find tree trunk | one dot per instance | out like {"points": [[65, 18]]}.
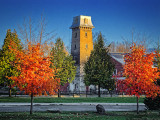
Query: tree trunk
{"points": [[137, 105], [59, 93], [110, 92], [31, 108], [16, 91], [99, 92], [10, 91], [86, 93]]}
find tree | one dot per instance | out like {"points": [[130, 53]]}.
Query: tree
{"points": [[157, 60], [7, 58], [35, 32], [36, 77], [63, 62], [109, 85], [140, 74], [99, 68], [119, 47], [150, 103]]}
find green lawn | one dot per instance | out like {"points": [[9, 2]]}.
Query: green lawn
{"points": [[80, 116], [72, 100]]}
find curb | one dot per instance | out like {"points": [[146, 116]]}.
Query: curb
{"points": [[65, 104]]}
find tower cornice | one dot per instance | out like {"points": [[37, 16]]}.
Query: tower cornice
{"points": [[82, 21]]}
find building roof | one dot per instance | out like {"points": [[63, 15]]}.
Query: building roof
{"points": [[82, 21], [118, 57]]}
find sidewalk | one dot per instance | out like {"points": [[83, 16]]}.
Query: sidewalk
{"points": [[47, 104], [25, 107]]}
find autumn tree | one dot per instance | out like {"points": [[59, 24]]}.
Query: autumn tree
{"points": [[7, 58], [63, 62], [140, 74], [99, 68], [149, 102], [36, 77], [157, 60]]}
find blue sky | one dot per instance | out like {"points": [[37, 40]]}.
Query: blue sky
{"points": [[114, 18]]}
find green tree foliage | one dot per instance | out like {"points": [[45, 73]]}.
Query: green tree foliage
{"points": [[109, 85], [63, 62], [99, 68], [7, 58]]}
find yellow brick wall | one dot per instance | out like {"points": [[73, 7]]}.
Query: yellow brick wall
{"points": [[85, 40]]}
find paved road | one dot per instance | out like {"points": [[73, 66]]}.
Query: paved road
{"points": [[22, 107]]}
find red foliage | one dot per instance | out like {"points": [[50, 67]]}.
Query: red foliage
{"points": [[36, 76], [140, 73]]}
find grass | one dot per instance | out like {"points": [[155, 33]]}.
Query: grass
{"points": [[72, 100], [81, 116]]}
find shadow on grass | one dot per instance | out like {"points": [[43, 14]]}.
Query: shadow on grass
{"points": [[148, 115]]}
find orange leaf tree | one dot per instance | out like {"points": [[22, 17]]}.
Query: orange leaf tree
{"points": [[36, 77], [140, 73]]}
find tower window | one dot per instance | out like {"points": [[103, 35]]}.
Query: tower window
{"points": [[86, 46], [75, 86], [85, 34], [85, 21], [75, 35], [76, 20], [75, 47], [75, 58]]}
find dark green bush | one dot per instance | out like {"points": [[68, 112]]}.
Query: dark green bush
{"points": [[152, 104]]}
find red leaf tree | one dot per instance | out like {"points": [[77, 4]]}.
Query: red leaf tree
{"points": [[36, 77], [140, 74]]}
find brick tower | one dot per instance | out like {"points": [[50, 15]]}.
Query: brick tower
{"points": [[81, 47]]}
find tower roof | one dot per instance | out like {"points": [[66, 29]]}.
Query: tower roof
{"points": [[82, 21]]}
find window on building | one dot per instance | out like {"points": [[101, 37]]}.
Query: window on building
{"points": [[75, 86], [86, 46], [115, 72], [85, 34], [76, 20], [85, 21], [75, 58], [75, 46], [75, 35]]}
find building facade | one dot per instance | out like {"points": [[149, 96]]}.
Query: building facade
{"points": [[81, 47]]}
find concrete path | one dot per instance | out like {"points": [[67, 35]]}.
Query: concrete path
{"points": [[24, 107]]}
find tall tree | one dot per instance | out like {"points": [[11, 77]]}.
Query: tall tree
{"points": [[63, 62], [7, 58], [140, 74], [36, 77], [99, 68]]}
